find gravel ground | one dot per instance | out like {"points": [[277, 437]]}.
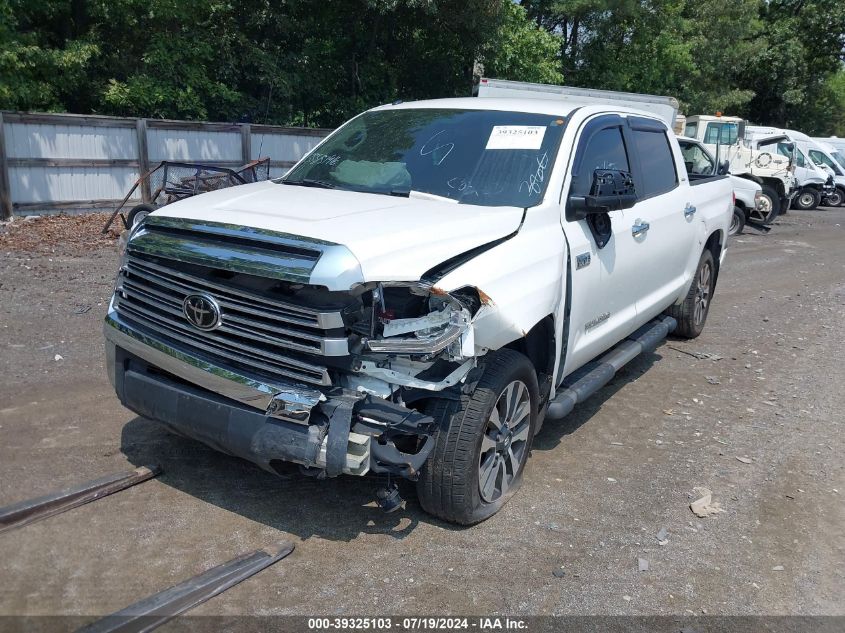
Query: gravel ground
{"points": [[758, 422]]}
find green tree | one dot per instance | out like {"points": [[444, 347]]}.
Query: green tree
{"points": [[313, 62], [44, 61], [522, 50], [801, 51]]}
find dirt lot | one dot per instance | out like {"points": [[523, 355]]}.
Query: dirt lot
{"points": [[599, 487]]}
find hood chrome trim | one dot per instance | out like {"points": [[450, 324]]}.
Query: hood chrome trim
{"points": [[248, 250]]}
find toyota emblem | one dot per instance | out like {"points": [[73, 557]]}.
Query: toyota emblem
{"points": [[202, 311]]}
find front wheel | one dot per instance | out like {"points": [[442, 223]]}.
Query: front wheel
{"points": [[835, 198], [482, 443], [807, 199], [692, 313]]}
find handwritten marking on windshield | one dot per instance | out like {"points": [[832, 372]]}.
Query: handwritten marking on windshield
{"points": [[323, 159], [536, 179], [457, 183], [424, 151]]}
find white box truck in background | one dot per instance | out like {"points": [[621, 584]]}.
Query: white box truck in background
{"points": [[666, 108]]}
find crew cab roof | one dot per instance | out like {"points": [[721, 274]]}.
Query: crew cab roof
{"points": [[537, 106]]}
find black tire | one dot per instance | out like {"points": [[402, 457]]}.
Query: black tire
{"points": [[737, 221], [138, 213], [690, 318], [771, 208], [836, 198], [449, 486], [806, 200]]}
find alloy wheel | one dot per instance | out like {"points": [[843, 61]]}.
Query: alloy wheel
{"points": [[702, 293], [505, 441]]}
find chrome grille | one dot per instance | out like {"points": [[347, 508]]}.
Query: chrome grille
{"points": [[256, 331]]}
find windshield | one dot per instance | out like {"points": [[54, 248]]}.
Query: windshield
{"points": [[721, 133], [839, 158], [482, 157], [819, 158]]}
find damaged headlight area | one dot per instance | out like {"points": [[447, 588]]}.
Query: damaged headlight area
{"points": [[418, 321], [413, 337], [409, 342]]}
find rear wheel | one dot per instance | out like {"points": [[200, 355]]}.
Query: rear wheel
{"points": [[769, 206], [737, 221], [483, 442], [691, 315]]}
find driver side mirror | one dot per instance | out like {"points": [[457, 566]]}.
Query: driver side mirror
{"points": [[611, 190], [740, 131], [724, 168]]}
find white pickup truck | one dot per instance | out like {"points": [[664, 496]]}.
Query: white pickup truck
{"points": [[419, 292]]}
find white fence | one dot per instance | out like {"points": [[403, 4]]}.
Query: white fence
{"points": [[63, 162]]}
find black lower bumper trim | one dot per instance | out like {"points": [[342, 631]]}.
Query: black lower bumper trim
{"points": [[227, 428], [235, 429]]}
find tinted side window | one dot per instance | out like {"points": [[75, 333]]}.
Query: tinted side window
{"points": [[658, 165], [605, 150]]}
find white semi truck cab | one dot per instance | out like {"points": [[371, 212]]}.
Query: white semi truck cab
{"points": [[768, 162], [419, 291]]}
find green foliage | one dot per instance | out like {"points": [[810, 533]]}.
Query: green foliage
{"points": [[34, 72], [312, 62], [769, 60], [522, 51]]}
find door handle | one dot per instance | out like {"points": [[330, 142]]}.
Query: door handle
{"points": [[639, 228], [689, 210]]}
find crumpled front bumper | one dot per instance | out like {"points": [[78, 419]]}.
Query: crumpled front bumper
{"points": [[265, 422]]}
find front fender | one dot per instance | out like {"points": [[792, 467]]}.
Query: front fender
{"points": [[519, 281]]}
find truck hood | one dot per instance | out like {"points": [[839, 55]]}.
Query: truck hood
{"points": [[393, 238]]}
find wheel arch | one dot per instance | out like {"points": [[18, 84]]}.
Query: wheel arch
{"points": [[715, 244], [774, 183], [538, 345]]}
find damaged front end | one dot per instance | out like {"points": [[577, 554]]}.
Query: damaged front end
{"points": [[352, 406], [409, 342]]}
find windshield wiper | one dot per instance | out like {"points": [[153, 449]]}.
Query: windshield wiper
{"points": [[309, 182]]}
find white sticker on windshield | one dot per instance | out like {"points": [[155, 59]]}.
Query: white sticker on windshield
{"points": [[516, 137]]}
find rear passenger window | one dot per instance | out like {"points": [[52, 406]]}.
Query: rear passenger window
{"points": [[605, 150], [658, 165]]}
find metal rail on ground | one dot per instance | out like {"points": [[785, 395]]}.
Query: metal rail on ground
{"points": [[26, 512], [157, 609]]}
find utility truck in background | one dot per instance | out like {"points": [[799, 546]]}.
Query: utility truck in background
{"points": [[767, 161], [816, 182], [420, 290]]}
